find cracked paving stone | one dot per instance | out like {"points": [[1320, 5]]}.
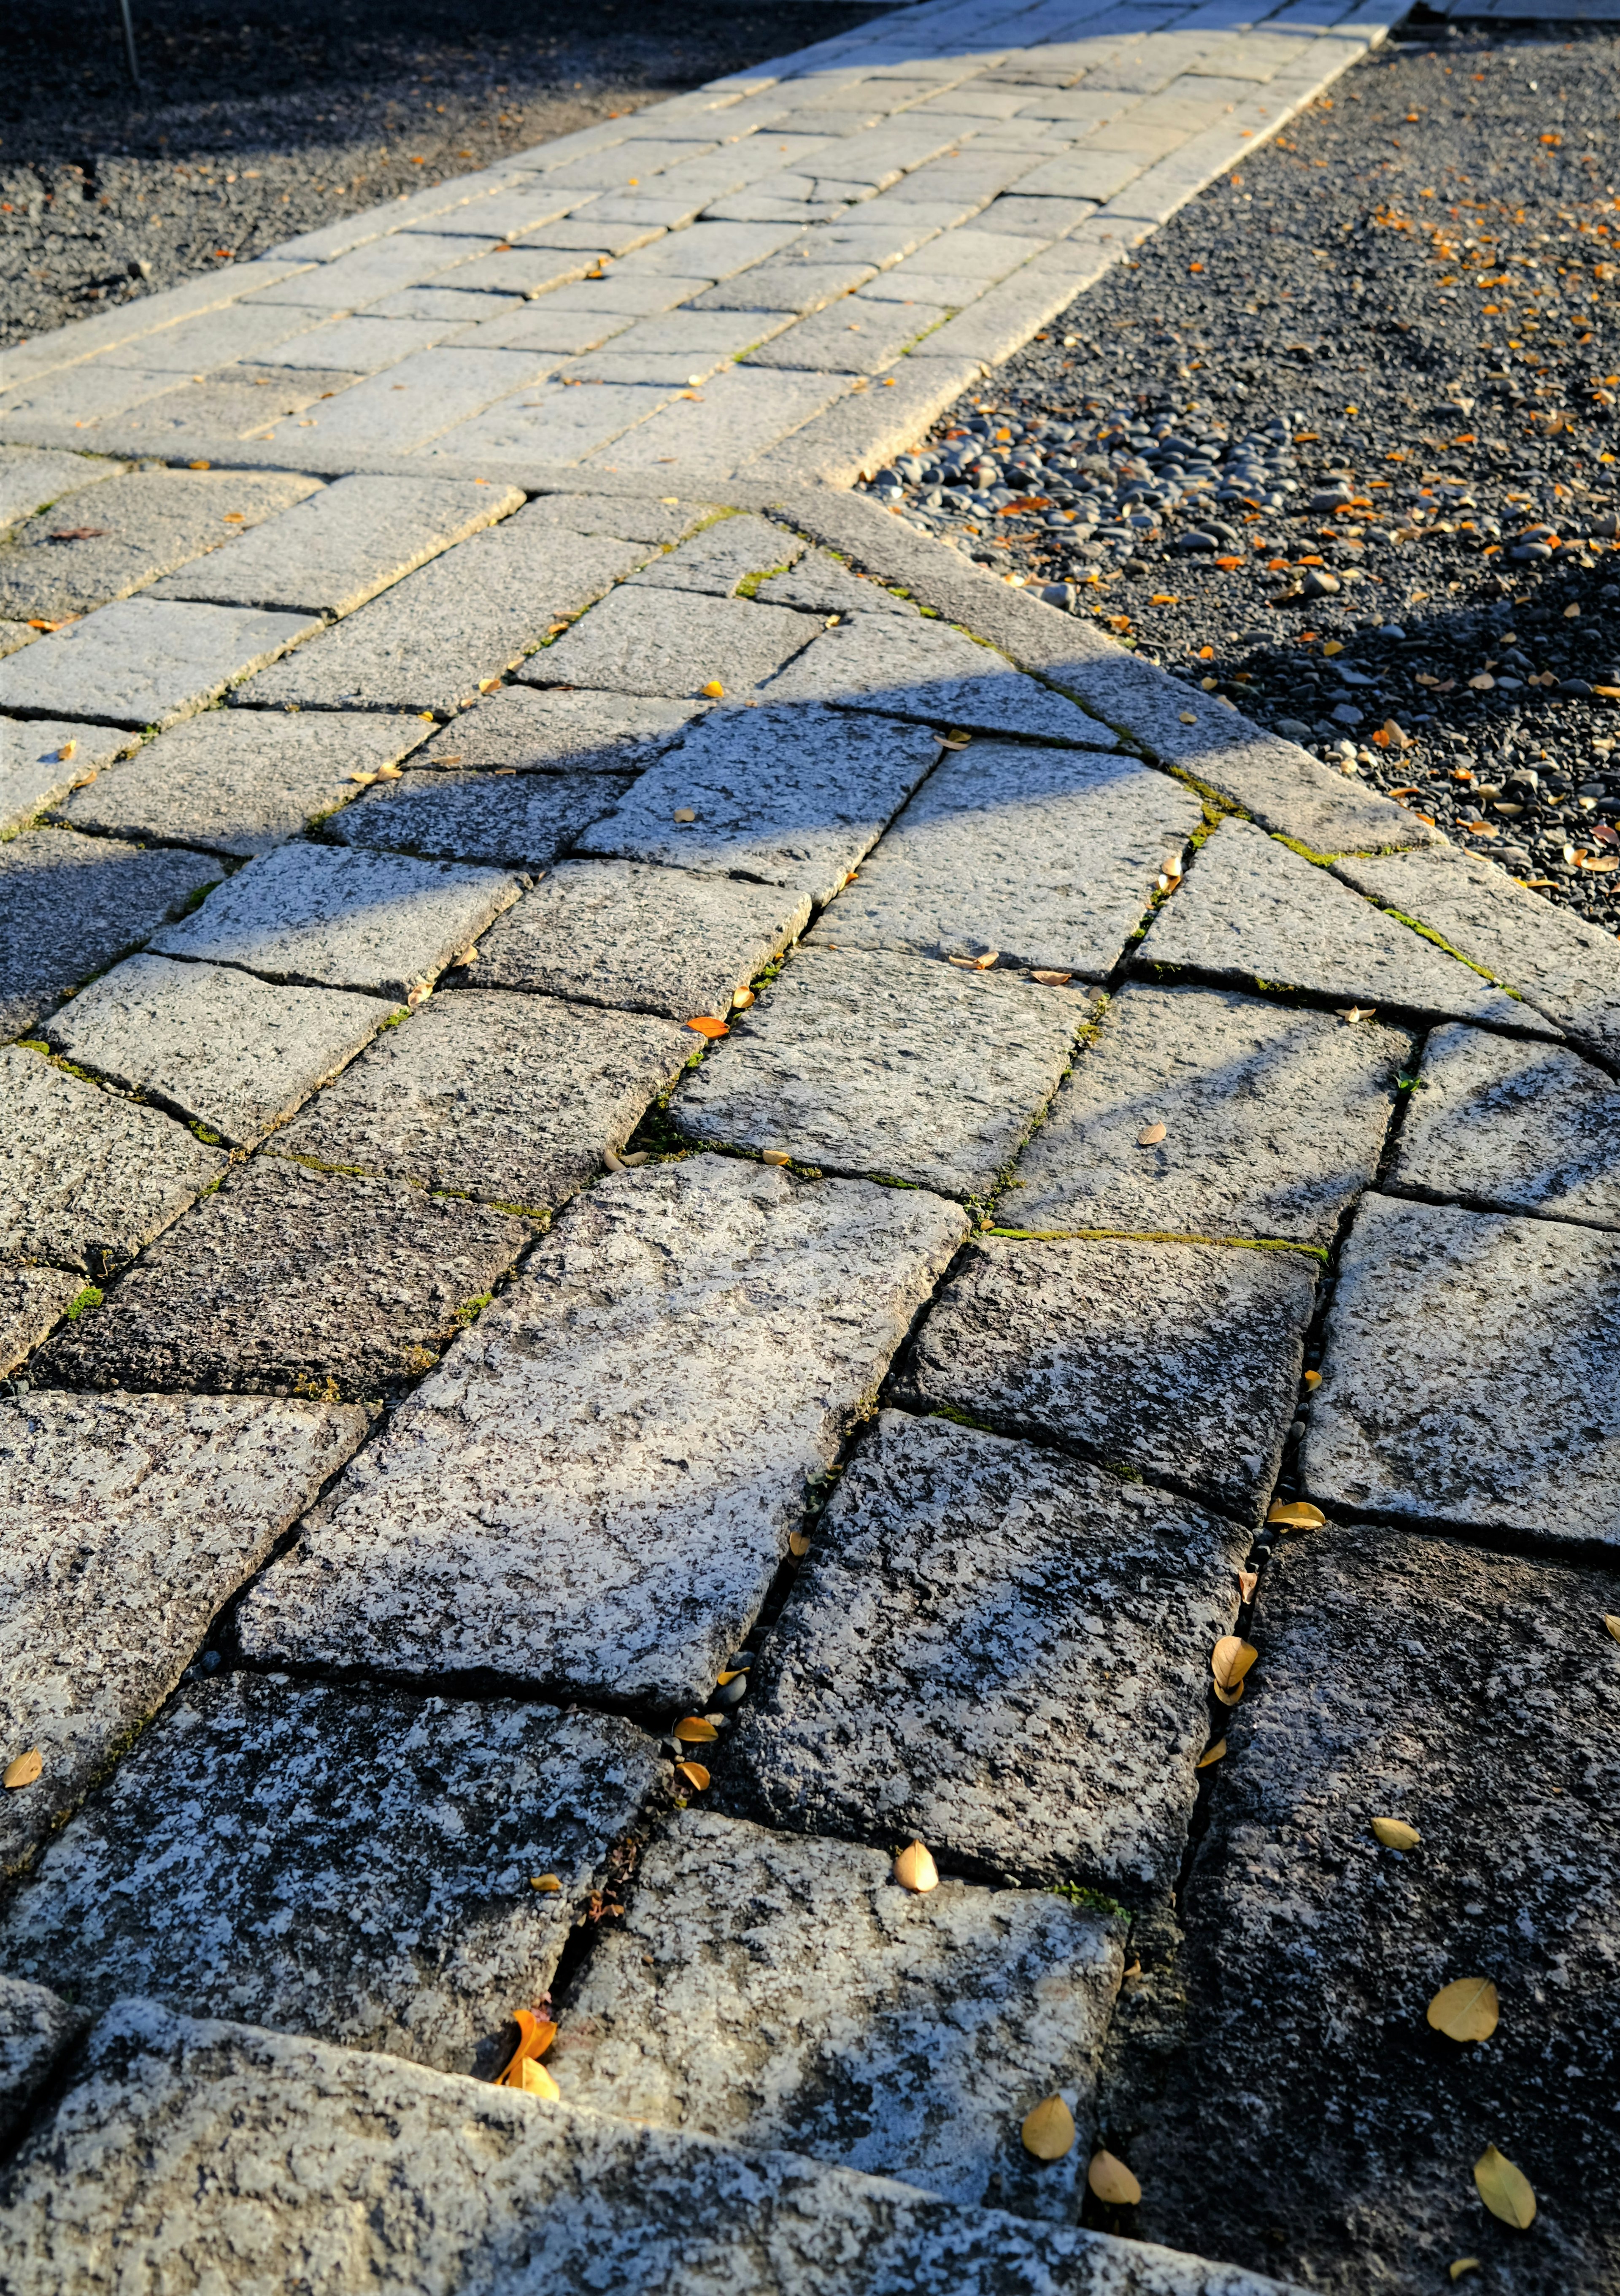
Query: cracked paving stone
{"points": [[145, 662], [495, 1095], [866, 1062], [1048, 856], [820, 585], [520, 821], [398, 2177], [596, 1487], [1477, 1697], [518, 730], [1003, 1652], [86, 1178], [33, 1300], [130, 1519], [1512, 1127], [632, 517], [381, 922], [31, 480], [35, 2029], [1177, 1361], [644, 939], [792, 797], [42, 759], [1250, 910], [332, 1860], [73, 906], [216, 1044], [906, 666], [287, 1281], [1274, 1120], [1466, 1377], [634, 642], [714, 562], [777, 1990]]}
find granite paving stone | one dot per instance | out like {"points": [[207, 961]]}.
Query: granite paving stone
{"points": [[644, 938], [37, 2028], [245, 331], [212, 1043], [397, 411], [467, 307], [1275, 1119], [1176, 1361], [685, 346], [145, 662], [130, 1519], [16, 636], [288, 1281], [1475, 1697], [715, 560], [230, 400], [1506, 1126], [86, 396], [711, 251], [737, 417], [74, 905], [791, 797], [1251, 910], [633, 643], [830, 340], [516, 820], [518, 730], [32, 1301], [320, 918], [340, 548], [407, 2179], [505, 1097], [928, 670], [86, 1178], [820, 585], [774, 1990], [1466, 1378], [242, 782], [634, 518], [1050, 857], [367, 274], [31, 480], [328, 1860], [595, 1489], [41, 759], [863, 1061], [554, 423], [1000, 1651], [360, 345], [800, 287]]}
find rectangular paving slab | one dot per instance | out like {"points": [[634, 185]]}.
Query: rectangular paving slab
{"points": [[32, 1301], [1000, 1651], [1475, 1697], [634, 642], [734, 1320], [789, 797], [820, 585], [517, 821], [330, 1860], [287, 1281], [1512, 1127], [1050, 857], [863, 1061], [145, 661], [326, 919], [714, 562], [212, 1043], [37, 2029], [1176, 1361], [1466, 1373], [517, 730], [926, 669], [508, 1098], [31, 480], [73, 906], [42, 758], [1274, 1120], [772, 1990], [130, 1519]]}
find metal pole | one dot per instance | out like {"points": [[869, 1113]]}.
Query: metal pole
{"points": [[129, 43]]}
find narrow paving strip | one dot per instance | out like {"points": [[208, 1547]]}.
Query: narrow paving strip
{"points": [[803, 1391]]}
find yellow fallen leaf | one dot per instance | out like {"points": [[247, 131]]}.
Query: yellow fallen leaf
{"points": [[1613, 1624], [685, 812], [741, 999], [694, 1731], [1213, 1754], [535, 2081], [65, 752], [1248, 1580], [1048, 2131], [547, 1884], [714, 689], [1229, 1661], [1465, 2010], [694, 1773], [914, 1869], [1189, 718], [1463, 2264], [982, 962], [1395, 1834], [1151, 1135], [774, 1156], [1295, 1514], [1505, 2190], [390, 772], [1112, 2181], [1352, 1013], [729, 1674], [24, 1770], [1334, 646], [798, 1543], [1313, 1378], [535, 2038], [1052, 980]]}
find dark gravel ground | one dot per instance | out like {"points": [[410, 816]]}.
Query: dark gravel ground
{"points": [[1407, 304], [257, 122]]}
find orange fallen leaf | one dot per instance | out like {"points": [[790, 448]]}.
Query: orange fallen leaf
{"points": [[707, 1026], [1211, 1754], [1295, 1515], [1051, 980], [547, 1884], [535, 2038], [535, 2081], [694, 1731], [694, 1773], [714, 689], [1049, 2131]]}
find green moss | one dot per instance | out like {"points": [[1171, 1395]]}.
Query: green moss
{"points": [[209, 1139], [1089, 1901], [88, 1298], [195, 899], [961, 1418], [748, 588], [1154, 1235]]}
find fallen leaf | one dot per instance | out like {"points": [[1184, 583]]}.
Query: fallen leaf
{"points": [[1463, 2264], [364, 780], [1150, 1137], [1334, 646], [24, 1770], [694, 1773], [1189, 718], [694, 1731], [1051, 980], [1352, 1013], [535, 2081], [1228, 565], [774, 1156], [1229, 1661], [1483, 682], [1395, 1834], [1465, 2010], [1211, 1754], [547, 1884], [59, 757], [728, 1674], [798, 1543], [741, 999], [707, 1026], [915, 1870], [714, 689], [1295, 1515], [685, 814], [79, 533], [1313, 1378], [1505, 2190], [1248, 1580], [1049, 2131], [982, 962], [535, 2038], [390, 772], [1112, 2181], [1613, 1624]]}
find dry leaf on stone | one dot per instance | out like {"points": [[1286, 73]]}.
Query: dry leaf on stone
{"points": [[1248, 1580], [694, 1731], [982, 962], [1505, 2190], [915, 1870], [714, 689], [687, 813], [798, 1543], [1613, 1624], [1049, 2131], [1229, 1661], [1052, 980], [1213, 1754], [547, 1884], [535, 2038], [1465, 2010], [694, 1773], [1313, 1378], [1395, 1834], [705, 1027], [1295, 1514], [741, 999], [1463, 2264], [1352, 1013], [1112, 2182], [774, 1156], [24, 1770], [535, 2081], [1151, 1135]]}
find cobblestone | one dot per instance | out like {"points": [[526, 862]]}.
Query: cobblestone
{"points": [[514, 821], [926, 670], [144, 662], [41, 759], [35, 2028], [559, 730], [32, 1301], [632, 643], [1513, 1127], [73, 906]]}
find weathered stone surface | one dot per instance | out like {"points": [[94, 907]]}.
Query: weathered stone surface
{"points": [[30, 480], [73, 905], [243, 402], [635, 518], [791, 797], [715, 560], [818, 585], [349, 542], [129, 1520], [1477, 1697], [36, 2028], [553, 424], [508, 1098], [1000, 1651], [773, 1990], [517, 730], [145, 661], [1178, 1361], [402, 2179], [868, 344], [212, 1043], [1274, 1120], [910, 668], [32, 1301], [519, 820], [1468, 1371], [596, 1488], [651, 940], [322, 919], [1251, 910], [42, 759], [1512, 1127], [85, 1179], [240, 781], [634, 642], [861, 1062], [333, 1861], [1049, 855], [1562, 966], [291, 1282]]}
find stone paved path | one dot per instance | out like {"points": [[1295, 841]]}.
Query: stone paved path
{"points": [[685, 1192]]}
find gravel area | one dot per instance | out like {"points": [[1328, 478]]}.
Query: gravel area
{"points": [[1339, 444], [254, 123]]}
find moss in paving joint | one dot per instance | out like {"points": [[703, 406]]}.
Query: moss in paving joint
{"points": [[1089, 1901], [748, 588], [1222, 809], [1156, 1235], [90, 1297], [961, 1418]]}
